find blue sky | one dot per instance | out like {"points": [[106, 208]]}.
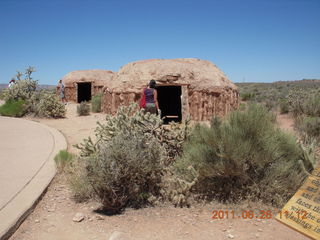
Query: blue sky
{"points": [[249, 40]]}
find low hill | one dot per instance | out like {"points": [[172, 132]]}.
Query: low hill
{"points": [[41, 86], [276, 90]]}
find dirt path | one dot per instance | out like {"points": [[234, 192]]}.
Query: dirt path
{"points": [[52, 218], [285, 122], [74, 127]]}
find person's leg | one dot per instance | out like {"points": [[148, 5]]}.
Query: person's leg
{"points": [[151, 108]]}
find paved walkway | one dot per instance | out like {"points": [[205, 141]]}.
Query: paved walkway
{"points": [[27, 150]]}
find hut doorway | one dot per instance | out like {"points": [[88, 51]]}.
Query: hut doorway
{"points": [[169, 99], [84, 92]]}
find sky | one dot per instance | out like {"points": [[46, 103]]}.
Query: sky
{"points": [[249, 40]]}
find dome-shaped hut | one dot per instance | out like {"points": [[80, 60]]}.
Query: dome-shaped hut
{"points": [[83, 84], [185, 87]]}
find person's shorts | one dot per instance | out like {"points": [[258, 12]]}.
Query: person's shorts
{"points": [[151, 108], [62, 95]]}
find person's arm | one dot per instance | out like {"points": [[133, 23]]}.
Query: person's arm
{"points": [[155, 96], [142, 93]]}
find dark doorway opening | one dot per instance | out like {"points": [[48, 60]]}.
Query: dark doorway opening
{"points": [[84, 92], [169, 98]]}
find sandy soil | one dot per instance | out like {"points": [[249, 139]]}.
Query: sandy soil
{"points": [[74, 127], [52, 219], [285, 122]]}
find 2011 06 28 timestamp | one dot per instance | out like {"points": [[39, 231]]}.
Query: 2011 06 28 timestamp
{"points": [[244, 214], [260, 214]]}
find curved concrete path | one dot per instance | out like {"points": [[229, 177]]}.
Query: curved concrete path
{"points": [[27, 151]]}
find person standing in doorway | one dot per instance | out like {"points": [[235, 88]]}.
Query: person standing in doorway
{"points": [[151, 96], [61, 92]]}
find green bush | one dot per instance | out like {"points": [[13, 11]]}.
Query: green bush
{"points": [[246, 155], [248, 96], [270, 104], [130, 154], [47, 104], [1, 95], [284, 106], [130, 120], [24, 87], [96, 103], [312, 105], [63, 159], [80, 186], [303, 102], [126, 172], [40, 103], [308, 128], [83, 109], [13, 108]]}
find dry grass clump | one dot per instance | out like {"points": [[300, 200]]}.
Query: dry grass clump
{"points": [[83, 109]]}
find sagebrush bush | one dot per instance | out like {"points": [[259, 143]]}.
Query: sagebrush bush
{"points": [[312, 105], [47, 104], [126, 171], [96, 103], [246, 155], [308, 128], [63, 160], [79, 183], [248, 96], [83, 109], [13, 108], [284, 106]]}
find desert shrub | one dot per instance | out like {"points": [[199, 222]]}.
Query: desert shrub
{"points": [[1, 95], [24, 87], [78, 181], [130, 120], [246, 155], [248, 96], [39, 103], [13, 108], [96, 103], [47, 104], [129, 158], [284, 106], [303, 102], [308, 128], [270, 104], [312, 105], [242, 106], [83, 109], [126, 172], [296, 100], [63, 159]]}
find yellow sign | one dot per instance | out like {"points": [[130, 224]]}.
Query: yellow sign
{"points": [[302, 212]]}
